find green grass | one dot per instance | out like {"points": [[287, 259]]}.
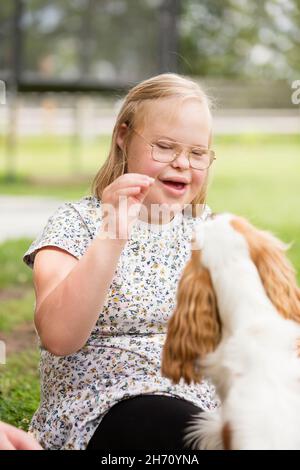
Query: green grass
{"points": [[15, 276], [53, 158], [56, 155], [19, 388], [17, 311], [21, 187], [19, 382], [14, 271], [258, 177]]}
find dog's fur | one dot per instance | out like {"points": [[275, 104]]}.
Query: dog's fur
{"points": [[237, 323]]}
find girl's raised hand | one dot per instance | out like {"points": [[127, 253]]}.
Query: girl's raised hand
{"points": [[123, 199]]}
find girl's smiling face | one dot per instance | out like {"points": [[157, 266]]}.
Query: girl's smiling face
{"points": [[188, 123]]}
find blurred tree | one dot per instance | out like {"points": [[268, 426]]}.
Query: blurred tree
{"points": [[121, 39], [6, 28], [238, 38], [75, 39]]}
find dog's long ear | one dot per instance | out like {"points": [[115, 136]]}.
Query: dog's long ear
{"points": [[194, 328], [276, 272]]}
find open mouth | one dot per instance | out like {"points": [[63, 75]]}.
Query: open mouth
{"points": [[174, 184]]}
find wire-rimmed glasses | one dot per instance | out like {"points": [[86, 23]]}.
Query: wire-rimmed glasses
{"points": [[166, 151]]}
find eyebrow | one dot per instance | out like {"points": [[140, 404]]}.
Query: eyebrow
{"points": [[177, 141]]}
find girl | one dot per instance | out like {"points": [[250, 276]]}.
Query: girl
{"points": [[105, 276]]}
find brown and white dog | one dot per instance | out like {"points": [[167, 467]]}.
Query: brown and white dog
{"points": [[237, 323]]}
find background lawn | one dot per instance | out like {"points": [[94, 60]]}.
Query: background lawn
{"points": [[254, 175]]}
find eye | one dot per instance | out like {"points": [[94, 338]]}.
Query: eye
{"points": [[164, 145], [199, 152]]}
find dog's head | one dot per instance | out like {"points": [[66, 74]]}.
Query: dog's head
{"points": [[195, 328]]}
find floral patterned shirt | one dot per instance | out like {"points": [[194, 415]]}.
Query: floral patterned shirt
{"points": [[122, 356]]}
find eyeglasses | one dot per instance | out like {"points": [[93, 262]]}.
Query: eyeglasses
{"points": [[165, 151]]}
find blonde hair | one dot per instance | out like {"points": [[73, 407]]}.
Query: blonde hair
{"points": [[167, 85]]}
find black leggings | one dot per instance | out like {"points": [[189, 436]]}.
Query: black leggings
{"points": [[144, 422]]}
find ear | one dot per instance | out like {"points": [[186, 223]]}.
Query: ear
{"points": [[194, 329], [121, 135], [277, 273]]}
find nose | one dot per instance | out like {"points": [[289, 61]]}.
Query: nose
{"points": [[181, 160]]}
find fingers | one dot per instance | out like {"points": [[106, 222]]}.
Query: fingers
{"points": [[134, 177], [143, 193], [132, 180], [129, 191], [12, 438], [138, 191], [129, 184], [5, 444], [133, 187], [25, 442]]}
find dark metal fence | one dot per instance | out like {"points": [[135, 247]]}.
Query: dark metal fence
{"points": [[86, 45]]}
